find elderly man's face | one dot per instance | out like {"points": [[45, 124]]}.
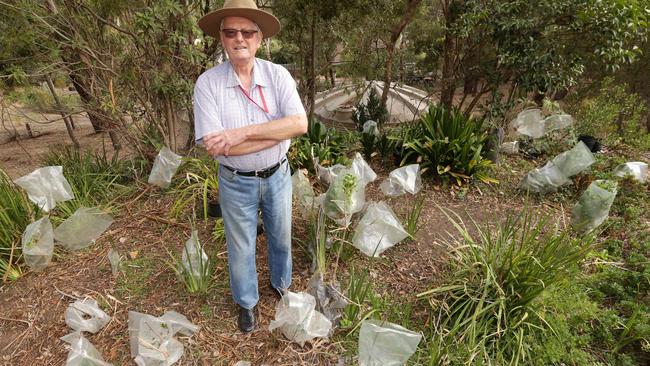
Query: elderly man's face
{"points": [[240, 49]]}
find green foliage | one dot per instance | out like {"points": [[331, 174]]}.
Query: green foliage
{"points": [[411, 225], [199, 186], [196, 280], [16, 212], [371, 110], [39, 99], [614, 113], [448, 144], [359, 291], [487, 307], [327, 146]]}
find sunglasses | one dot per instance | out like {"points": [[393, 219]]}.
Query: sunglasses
{"points": [[232, 33]]}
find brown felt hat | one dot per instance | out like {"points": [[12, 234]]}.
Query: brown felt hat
{"points": [[269, 24]]}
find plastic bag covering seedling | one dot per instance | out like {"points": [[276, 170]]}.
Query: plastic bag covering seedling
{"points": [[114, 260], [344, 197], [46, 187], [557, 122], [402, 180], [152, 341], [638, 170], [529, 122], [82, 352], [362, 170], [164, 168], [378, 230], [38, 243], [543, 180], [194, 260], [510, 148], [82, 228], [385, 344], [327, 175], [298, 320], [592, 208], [370, 127], [303, 192], [86, 316], [575, 160]]}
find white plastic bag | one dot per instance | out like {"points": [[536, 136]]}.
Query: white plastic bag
{"points": [[82, 228], [370, 127], [557, 122], [164, 168], [38, 243], [327, 175], [114, 259], [194, 260], [82, 352], [544, 180], [86, 316], [529, 123], [362, 170], [152, 339], [46, 187], [509, 148], [298, 320], [345, 197], [638, 170], [403, 180], [385, 344], [574, 161], [378, 230], [592, 208], [303, 192]]}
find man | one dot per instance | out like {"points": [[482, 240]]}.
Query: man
{"points": [[245, 112]]}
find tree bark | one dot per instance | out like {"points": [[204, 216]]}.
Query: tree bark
{"points": [[411, 7], [448, 79], [66, 119], [311, 82]]}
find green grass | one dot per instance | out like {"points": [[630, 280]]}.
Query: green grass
{"points": [[135, 273]]}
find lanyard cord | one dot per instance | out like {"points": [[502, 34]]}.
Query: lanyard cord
{"points": [[265, 108]]}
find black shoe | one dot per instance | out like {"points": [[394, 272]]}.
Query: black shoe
{"points": [[246, 320]]}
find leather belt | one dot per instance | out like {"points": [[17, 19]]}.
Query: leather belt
{"points": [[263, 173]]}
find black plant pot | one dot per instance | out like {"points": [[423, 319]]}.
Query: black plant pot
{"points": [[592, 143], [214, 209]]}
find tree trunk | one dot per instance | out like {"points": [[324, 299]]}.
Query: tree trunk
{"points": [[66, 119], [411, 7], [448, 79], [311, 82], [332, 77]]}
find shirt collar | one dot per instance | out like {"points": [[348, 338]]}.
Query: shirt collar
{"points": [[259, 78]]}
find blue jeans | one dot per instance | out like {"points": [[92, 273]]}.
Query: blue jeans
{"points": [[240, 197]]}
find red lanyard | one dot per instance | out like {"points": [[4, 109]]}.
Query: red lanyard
{"points": [[265, 108]]}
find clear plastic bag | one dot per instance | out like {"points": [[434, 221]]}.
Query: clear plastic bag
{"points": [[152, 339], [194, 260], [509, 148], [529, 123], [592, 208], [544, 180], [328, 298], [386, 344], [46, 187], [345, 197], [38, 243], [86, 316], [362, 170], [82, 352], [328, 175], [638, 170], [402, 180], [164, 168], [82, 228], [378, 230], [557, 122], [114, 259], [298, 320], [574, 161], [303, 192], [370, 127]]}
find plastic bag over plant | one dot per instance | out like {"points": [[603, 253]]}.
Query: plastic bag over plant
{"points": [[403, 180], [509, 148], [575, 160], [385, 344], [638, 170], [530, 122], [38, 244], [370, 127], [328, 298], [152, 339], [303, 192], [592, 208], [82, 352], [82, 228], [378, 230], [114, 260], [298, 320], [46, 187], [85, 316], [164, 168], [327, 175], [362, 170], [345, 196], [194, 260]]}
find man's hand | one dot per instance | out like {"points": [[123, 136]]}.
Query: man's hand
{"points": [[220, 143]]}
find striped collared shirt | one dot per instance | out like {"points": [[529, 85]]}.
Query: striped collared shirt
{"points": [[219, 104]]}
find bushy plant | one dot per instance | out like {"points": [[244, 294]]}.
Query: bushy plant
{"points": [[326, 145], [486, 309], [371, 110], [448, 144], [199, 185]]}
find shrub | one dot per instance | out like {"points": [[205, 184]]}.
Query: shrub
{"points": [[448, 144], [486, 308], [200, 184], [371, 110], [327, 145]]}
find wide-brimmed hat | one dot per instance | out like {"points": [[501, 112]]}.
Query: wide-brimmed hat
{"points": [[269, 24]]}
